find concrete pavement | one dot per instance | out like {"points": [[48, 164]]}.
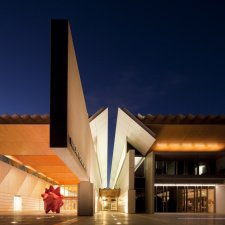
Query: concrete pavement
{"points": [[111, 218]]}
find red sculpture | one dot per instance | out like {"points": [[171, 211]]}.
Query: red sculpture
{"points": [[52, 199]]}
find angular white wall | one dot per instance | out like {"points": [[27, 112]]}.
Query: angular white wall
{"points": [[125, 181], [79, 153], [17, 182]]}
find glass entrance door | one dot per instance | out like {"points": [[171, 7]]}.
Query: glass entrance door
{"points": [[204, 199], [190, 199], [109, 204], [198, 199]]}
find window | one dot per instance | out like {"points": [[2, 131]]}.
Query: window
{"points": [[160, 167], [192, 199], [170, 168], [202, 169], [17, 203], [189, 167], [180, 167]]}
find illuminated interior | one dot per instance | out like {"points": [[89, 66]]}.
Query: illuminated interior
{"points": [[109, 199], [191, 198], [70, 200]]}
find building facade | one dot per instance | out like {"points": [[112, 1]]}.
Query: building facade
{"points": [[175, 163], [160, 163], [66, 148]]}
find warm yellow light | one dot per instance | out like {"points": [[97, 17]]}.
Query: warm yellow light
{"points": [[212, 145], [14, 159], [199, 145], [31, 168], [174, 145], [126, 204], [188, 146], [162, 145], [42, 174], [170, 184]]}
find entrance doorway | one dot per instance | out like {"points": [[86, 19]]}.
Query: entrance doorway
{"points": [[192, 199], [109, 199], [109, 204]]}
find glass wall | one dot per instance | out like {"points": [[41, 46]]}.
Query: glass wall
{"points": [[70, 199], [184, 199], [109, 204], [185, 167]]}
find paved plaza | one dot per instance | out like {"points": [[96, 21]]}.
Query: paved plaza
{"points": [[109, 218]]}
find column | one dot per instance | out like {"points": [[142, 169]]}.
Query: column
{"points": [[85, 199], [149, 182], [131, 190]]}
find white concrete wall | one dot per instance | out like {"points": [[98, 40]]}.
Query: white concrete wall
{"points": [[220, 199], [79, 129], [125, 181], [17, 182], [97, 182], [149, 182], [78, 123]]}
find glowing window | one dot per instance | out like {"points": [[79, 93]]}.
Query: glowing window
{"points": [[17, 203], [202, 169]]}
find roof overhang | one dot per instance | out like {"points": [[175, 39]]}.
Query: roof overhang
{"points": [[189, 137], [128, 129], [29, 145]]}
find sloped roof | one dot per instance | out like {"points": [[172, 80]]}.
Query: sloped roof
{"points": [[181, 119], [24, 119]]}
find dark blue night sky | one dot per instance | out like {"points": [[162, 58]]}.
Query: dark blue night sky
{"points": [[148, 56]]}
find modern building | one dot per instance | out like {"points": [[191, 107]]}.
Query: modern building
{"points": [[67, 149], [160, 163], [169, 163]]}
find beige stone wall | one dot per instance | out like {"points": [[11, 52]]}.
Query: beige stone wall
{"points": [[17, 182], [125, 181]]}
